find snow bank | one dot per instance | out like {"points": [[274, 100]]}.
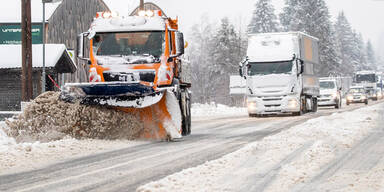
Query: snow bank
{"points": [[278, 162], [16, 157], [216, 110], [47, 119]]}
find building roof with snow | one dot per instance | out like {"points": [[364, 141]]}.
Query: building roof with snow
{"points": [[57, 57]]}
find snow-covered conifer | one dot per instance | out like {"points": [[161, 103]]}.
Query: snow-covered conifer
{"points": [[264, 19]]}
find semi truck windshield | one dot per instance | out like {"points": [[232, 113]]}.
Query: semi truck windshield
{"points": [[127, 44], [366, 78], [327, 85], [270, 68]]}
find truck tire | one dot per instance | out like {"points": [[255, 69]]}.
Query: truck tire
{"points": [[338, 104], [189, 115], [302, 106], [185, 114], [314, 102]]}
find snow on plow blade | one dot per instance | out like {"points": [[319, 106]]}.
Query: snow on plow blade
{"points": [[159, 112], [133, 95], [162, 121]]}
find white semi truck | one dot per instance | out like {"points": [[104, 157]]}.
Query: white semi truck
{"points": [[368, 80], [279, 70]]}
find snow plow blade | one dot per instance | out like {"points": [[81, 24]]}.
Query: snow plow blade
{"points": [[133, 95], [161, 121], [159, 112]]}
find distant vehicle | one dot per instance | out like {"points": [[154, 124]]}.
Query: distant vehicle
{"points": [[368, 80], [330, 92], [279, 71], [379, 93], [357, 94]]}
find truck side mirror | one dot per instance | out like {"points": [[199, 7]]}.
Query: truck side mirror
{"points": [[301, 66], [80, 45], [179, 43]]}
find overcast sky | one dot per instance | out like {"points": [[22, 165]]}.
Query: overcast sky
{"points": [[366, 16]]}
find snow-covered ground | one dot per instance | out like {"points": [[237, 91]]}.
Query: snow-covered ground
{"points": [[283, 161], [28, 156], [202, 111]]}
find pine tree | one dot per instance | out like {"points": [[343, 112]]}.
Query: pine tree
{"points": [[347, 44], [225, 60], [371, 58], [198, 53], [313, 18], [264, 19], [359, 52]]}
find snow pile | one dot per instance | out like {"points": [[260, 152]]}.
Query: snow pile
{"points": [[278, 162], [47, 118], [5, 141], [216, 110]]}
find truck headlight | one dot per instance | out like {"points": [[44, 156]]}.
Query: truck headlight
{"points": [[292, 103], [252, 105]]}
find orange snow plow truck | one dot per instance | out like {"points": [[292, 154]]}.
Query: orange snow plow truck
{"points": [[136, 67]]}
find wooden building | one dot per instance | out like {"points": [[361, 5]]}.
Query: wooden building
{"points": [[64, 21]]}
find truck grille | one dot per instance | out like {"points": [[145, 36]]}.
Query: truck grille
{"points": [[272, 99], [276, 105], [144, 76], [147, 76]]}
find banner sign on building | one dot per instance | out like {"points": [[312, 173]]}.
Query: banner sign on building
{"points": [[11, 34]]}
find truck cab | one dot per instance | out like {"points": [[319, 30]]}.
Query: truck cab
{"points": [[279, 73]]}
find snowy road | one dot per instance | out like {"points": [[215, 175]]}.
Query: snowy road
{"points": [[128, 168]]}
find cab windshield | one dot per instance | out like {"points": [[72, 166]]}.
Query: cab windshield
{"points": [[284, 67], [145, 44], [366, 78], [327, 85]]}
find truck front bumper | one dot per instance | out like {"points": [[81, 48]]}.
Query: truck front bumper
{"points": [[273, 105]]}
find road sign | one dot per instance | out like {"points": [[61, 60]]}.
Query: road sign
{"points": [[11, 34]]}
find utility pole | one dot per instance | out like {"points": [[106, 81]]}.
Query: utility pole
{"points": [[26, 38], [141, 5]]}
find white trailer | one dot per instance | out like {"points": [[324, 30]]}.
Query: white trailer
{"points": [[279, 70]]}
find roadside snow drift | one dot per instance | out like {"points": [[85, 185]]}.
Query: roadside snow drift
{"points": [[201, 111], [47, 118], [279, 162]]}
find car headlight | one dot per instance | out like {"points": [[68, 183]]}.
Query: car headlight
{"points": [[292, 103], [349, 97]]}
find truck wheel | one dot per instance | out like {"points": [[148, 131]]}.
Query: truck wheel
{"points": [[314, 106], [338, 104], [301, 112], [185, 114], [189, 105]]}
